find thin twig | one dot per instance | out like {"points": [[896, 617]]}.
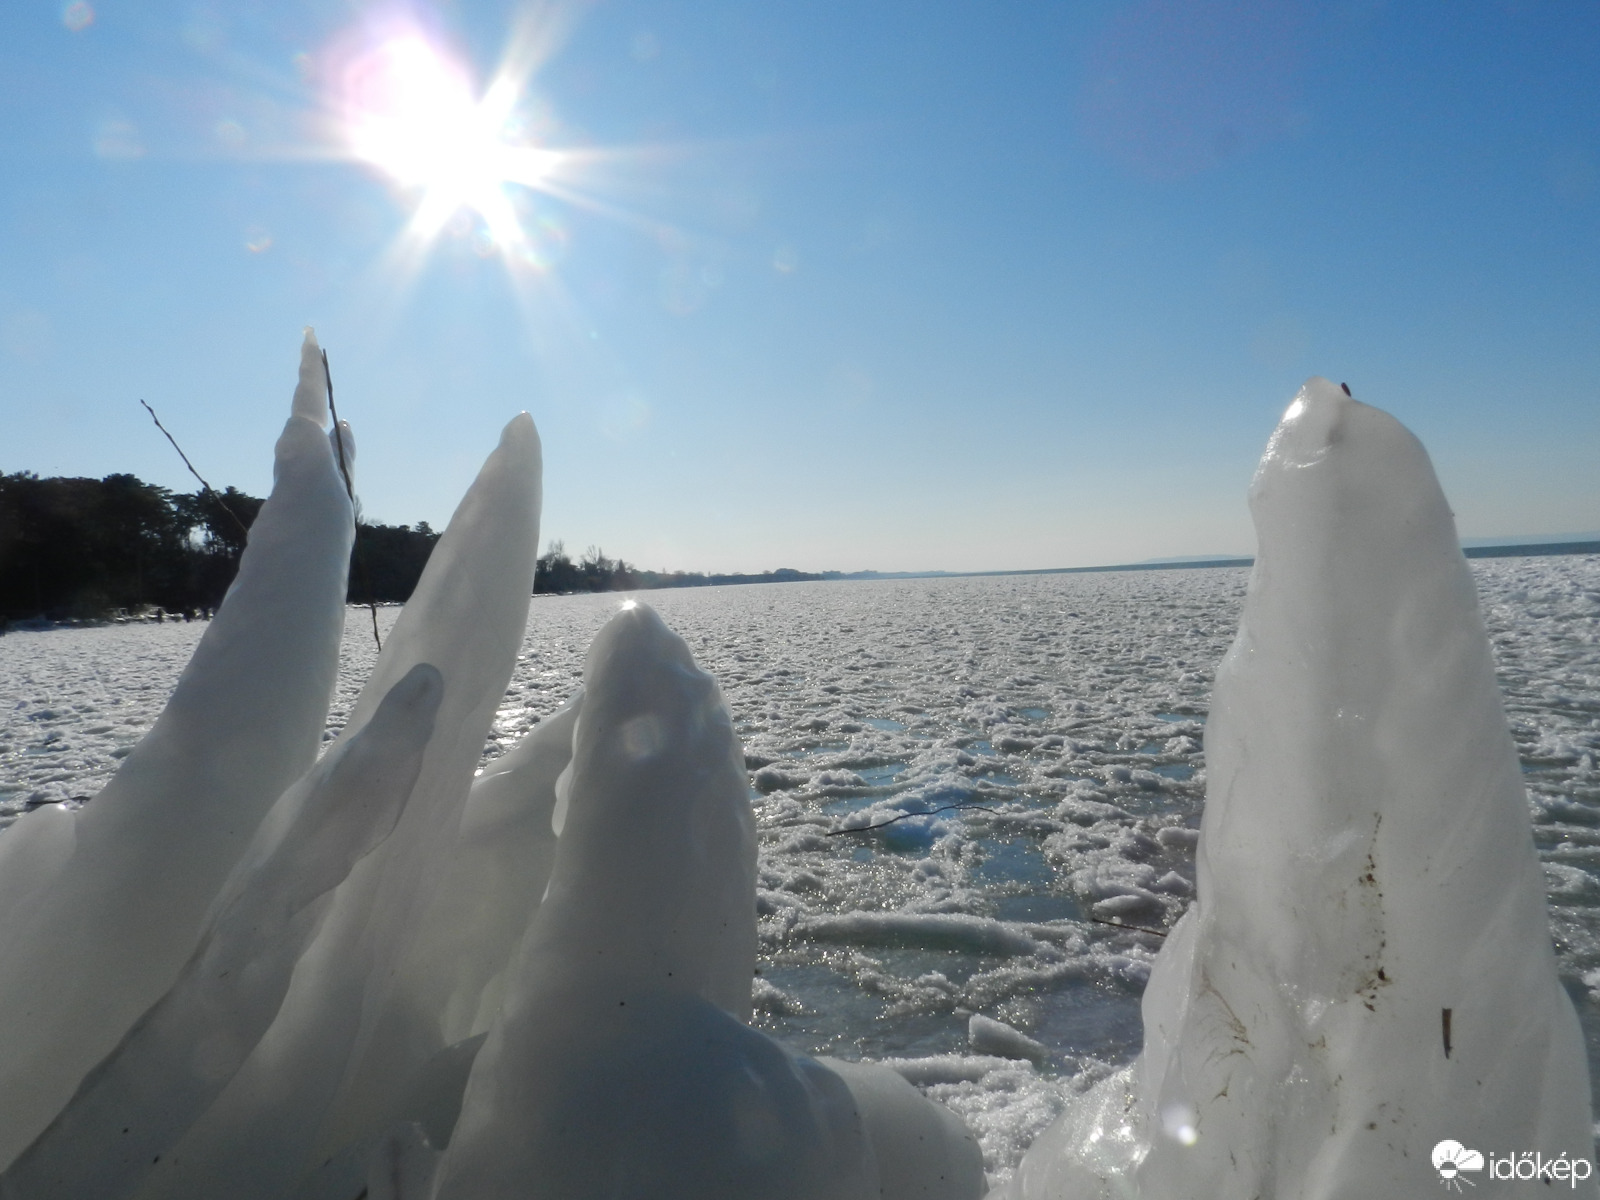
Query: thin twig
{"points": [[338, 439], [907, 816], [210, 491], [344, 469], [1125, 925]]}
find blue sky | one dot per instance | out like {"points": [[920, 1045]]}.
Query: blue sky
{"points": [[824, 285]]}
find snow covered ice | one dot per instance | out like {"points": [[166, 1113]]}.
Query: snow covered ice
{"points": [[969, 797]]}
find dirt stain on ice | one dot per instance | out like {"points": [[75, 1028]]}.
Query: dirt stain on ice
{"points": [[1369, 892]]}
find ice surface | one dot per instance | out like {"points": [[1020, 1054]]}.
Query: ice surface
{"points": [[1063, 712], [103, 906], [1106, 675], [1367, 968]]}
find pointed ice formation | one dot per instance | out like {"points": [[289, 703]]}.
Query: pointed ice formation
{"points": [[390, 978], [496, 876], [1367, 971], [334, 1059], [185, 1049], [620, 1063], [103, 906]]}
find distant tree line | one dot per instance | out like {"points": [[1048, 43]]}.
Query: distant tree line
{"points": [[87, 549], [557, 574]]}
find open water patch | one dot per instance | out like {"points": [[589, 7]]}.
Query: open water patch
{"points": [[1090, 1017], [881, 775], [1174, 771]]}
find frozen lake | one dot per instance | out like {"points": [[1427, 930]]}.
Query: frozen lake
{"points": [[1050, 728]]}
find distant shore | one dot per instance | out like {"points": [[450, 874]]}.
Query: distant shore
{"points": [[1524, 550]]}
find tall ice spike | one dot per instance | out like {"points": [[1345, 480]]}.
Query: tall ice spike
{"points": [[104, 906], [1367, 971]]}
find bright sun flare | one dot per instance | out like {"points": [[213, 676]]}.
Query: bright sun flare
{"points": [[410, 110]]}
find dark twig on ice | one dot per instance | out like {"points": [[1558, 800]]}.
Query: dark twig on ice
{"points": [[1125, 925], [344, 469], [907, 816], [210, 491]]}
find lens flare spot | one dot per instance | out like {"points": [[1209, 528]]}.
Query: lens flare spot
{"points": [[645, 46], [118, 140], [1179, 1121], [77, 16]]}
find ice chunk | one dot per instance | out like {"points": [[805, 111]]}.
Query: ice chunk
{"points": [[987, 1036], [659, 830], [1367, 970], [922, 1150], [179, 1055], [934, 931], [469, 614], [449, 985], [325, 1071], [651, 901], [496, 877], [89, 946]]}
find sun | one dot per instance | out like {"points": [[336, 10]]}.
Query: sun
{"points": [[411, 109]]}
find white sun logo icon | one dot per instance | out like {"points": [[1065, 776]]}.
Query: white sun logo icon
{"points": [[1450, 1159]]}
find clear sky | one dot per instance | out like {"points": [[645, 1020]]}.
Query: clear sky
{"points": [[899, 285]]}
